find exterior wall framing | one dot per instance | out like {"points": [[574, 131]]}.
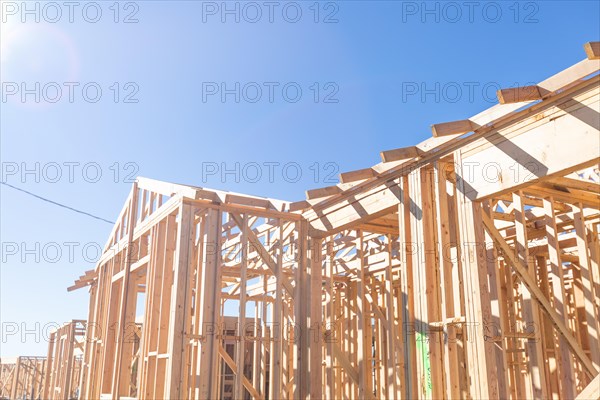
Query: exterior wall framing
{"points": [[467, 266], [64, 362], [22, 377]]}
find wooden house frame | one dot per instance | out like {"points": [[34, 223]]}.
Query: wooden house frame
{"points": [[64, 361], [466, 266], [22, 377]]}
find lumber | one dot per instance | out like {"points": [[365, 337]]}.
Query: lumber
{"points": [[591, 391], [402, 153], [358, 175], [592, 50], [299, 205], [465, 266], [322, 192], [560, 299], [452, 128], [521, 270], [436, 147], [519, 94]]}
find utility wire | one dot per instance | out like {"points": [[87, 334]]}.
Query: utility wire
{"points": [[57, 204]]}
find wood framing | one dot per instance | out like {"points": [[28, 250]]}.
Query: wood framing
{"points": [[22, 377], [465, 267], [64, 362]]}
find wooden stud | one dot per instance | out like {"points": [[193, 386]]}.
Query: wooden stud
{"points": [[530, 309], [565, 365], [376, 287], [537, 295]]}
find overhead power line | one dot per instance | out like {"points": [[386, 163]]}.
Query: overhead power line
{"points": [[57, 204]]}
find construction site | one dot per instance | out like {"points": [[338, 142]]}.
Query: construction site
{"points": [[464, 267]]}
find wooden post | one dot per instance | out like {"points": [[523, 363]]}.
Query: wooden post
{"points": [[482, 374], [447, 299], [301, 377], [590, 297], [211, 302], [563, 356], [537, 384], [179, 313], [241, 345], [408, 306], [122, 371], [316, 336]]}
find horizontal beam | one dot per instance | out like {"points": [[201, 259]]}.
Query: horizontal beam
{"points": [[578, 184], [545, 190], [299, 205], [248, 201], [166, 188]]}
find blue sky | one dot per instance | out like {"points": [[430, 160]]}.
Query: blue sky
{"points": [[373, 75]]}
